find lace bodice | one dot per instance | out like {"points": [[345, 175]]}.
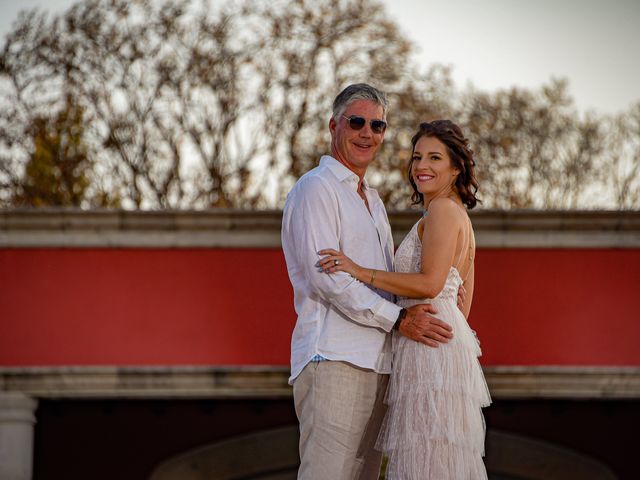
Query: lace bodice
{"points": [[408, 259]]}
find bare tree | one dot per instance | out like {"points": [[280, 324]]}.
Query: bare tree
{"points": [[533, 150], [185, 106], [182, 105], [621, 170], [161, 90], [312, 49]]}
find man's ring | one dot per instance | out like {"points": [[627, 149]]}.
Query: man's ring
{"points": [[336, 262]]}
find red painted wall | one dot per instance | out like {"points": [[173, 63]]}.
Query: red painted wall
{"points": [[235, 307], [558, 307]]}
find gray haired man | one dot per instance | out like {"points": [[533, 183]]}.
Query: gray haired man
{"points": [[341, 349]]}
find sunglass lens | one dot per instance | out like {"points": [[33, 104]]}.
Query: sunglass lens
{"points": [[356, 122], [378, 126]]}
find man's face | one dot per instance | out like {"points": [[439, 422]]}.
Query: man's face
{"points": [[356, 149]]}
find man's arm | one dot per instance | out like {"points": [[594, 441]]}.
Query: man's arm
{"points": [[311, 220]]}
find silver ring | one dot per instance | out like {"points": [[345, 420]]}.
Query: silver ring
{"points": [[336, 262]]}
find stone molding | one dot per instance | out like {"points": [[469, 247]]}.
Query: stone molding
{"points": [[147, 382], [17, 419], [219, 228], [505, 382], [17, 407]]}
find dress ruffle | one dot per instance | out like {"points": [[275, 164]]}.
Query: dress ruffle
{"points": [[437, 460]]}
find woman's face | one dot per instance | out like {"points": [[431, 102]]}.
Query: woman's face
{"points": [[431, 168]]}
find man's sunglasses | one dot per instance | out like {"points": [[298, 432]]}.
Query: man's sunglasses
{"points": [[356, 123]]}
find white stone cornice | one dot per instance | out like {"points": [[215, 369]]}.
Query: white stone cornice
{"points": [[520, 382], [64, 228], [554, 229], [147, 382], [505, 382], [139, 229]]}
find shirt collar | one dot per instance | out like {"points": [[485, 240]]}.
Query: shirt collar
{"points": [[341, 172]]}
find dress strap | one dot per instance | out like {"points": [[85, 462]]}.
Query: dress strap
{"points": [[467, 246]]}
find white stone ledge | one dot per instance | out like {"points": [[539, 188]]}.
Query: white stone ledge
{"points": [[505, 382], [61, 228], [147, 382], [564, 382]]}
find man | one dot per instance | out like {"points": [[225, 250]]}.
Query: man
{"points": [[340, 349]]}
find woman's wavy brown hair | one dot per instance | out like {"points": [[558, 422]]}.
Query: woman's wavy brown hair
{"points": [[461, 156]]}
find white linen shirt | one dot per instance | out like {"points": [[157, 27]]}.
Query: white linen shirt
{"points": [[339, 317]]}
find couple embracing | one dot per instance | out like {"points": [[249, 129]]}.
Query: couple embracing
{"points": [[382, 357]]}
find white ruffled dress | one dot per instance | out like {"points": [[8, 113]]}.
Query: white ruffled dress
{"points": [[434, 427]]}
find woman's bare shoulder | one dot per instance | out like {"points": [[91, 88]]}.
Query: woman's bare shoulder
{"points": [[445, 210]]}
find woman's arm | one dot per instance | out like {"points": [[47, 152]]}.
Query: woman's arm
{"points": [[439, 239]]}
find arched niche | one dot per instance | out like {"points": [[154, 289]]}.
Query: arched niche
{"points": [[273, 455]]}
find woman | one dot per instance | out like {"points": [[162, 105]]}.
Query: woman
{"points": [[434, 428]]}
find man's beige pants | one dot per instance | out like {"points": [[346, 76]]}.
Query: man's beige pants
{"points": [[340, 408]]}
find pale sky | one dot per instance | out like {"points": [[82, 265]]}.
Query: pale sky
{"points": [[493, 44], [595, 44]]}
